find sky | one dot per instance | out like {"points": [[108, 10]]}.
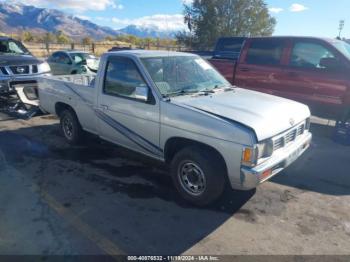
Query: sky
{"points": [[294, 17]]}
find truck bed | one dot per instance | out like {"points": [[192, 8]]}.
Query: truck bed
{"points": [[226, 67], [85, 80], [69, 89]]}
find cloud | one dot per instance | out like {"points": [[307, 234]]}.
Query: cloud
{"points": [[187, 2], [76, 5], [160, 21], [297, 8], [276, 10], [83, 17]]}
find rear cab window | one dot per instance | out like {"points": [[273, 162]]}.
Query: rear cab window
{"points": [[265, 52]]}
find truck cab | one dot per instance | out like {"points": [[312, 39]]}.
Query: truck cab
{"points": [[313, 71]]}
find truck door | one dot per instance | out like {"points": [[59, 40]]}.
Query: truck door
{"points": [[315, 75], [260, 65], [125, 116]]}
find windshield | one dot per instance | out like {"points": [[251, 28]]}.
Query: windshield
{"points": [[182, 74], [12, 47], [343, 47]]}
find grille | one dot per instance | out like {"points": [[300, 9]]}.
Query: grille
{"points": [[4, 71], [20, 70], [288, 137], [35, 69]]}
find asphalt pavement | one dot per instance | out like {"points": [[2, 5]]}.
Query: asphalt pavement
{"points": [[99, 199]]}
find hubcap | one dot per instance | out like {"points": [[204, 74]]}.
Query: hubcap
{"points": [[192, 178], [67, 127]]}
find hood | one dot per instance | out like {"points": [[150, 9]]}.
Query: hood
{"points": [[267, 115], [17, 60]]}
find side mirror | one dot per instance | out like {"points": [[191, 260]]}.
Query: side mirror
{"points": [[141, 93], [330, 63]]}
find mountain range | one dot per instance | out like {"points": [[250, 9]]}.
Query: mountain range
{"points": [[16, 18]]}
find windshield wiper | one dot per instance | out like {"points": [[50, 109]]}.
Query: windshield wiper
{"points": [[224, 87], [182, 92]]}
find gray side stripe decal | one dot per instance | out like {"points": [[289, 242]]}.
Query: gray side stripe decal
{"points": [[137, 139], [79, 95]]}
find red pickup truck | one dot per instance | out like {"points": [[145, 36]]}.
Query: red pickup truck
{"points": [[313, 71]]}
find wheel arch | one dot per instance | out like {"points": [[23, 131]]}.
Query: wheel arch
{"points": [[60, 107], [175, 144]]}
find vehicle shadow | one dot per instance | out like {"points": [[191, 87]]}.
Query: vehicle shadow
{"points": [[125, 197], [324, 168]]}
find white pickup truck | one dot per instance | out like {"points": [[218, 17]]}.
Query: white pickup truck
{"points": [[176, 108]]}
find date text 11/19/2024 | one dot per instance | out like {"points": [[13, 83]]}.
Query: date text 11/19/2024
{"points": [[173, 258]]}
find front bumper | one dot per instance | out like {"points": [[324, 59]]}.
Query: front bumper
{"points": [[5, 81], [252, 177]]}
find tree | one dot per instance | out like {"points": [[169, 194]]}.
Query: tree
{"points": [[208, 20], [86, 41], [49, 37], [109, 38], [62, 38], [27, 36]]}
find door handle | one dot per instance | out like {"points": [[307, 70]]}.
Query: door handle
{"points": [[244, 69], [104, 107]]}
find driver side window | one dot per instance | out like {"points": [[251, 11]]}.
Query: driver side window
{"points": [[310, 55], [61, 58], [122, 77]]}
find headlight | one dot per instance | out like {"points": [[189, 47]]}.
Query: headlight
{"points": [[265, 149], [44, 68], [251, 155], [307, 124]]}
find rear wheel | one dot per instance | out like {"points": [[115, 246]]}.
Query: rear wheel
{"points": [[198, 175], [70, 127]]}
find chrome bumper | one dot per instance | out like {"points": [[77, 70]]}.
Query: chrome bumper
{"points": [[252, 177], [5, 81]]}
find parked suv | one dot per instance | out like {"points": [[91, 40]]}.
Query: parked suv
{"points": [[18, 65]]}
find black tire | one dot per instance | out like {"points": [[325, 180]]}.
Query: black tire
{"points": [[74, 72], [212, 167], [70, 127]]}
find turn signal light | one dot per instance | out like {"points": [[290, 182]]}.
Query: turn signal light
{"points": [[247, 155], [266, 174]]}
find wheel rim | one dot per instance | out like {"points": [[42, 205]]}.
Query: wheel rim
{"points": [[67, 125], [192, 178]]}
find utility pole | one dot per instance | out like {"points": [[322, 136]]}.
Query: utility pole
{"points": [[341, 27]]}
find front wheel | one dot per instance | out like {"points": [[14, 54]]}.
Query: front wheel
{"points": [[198, 175], [70, 127]]}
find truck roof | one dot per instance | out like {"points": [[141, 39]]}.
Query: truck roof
{"points": [[295, 37], [5, 38], [150, 53]]}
